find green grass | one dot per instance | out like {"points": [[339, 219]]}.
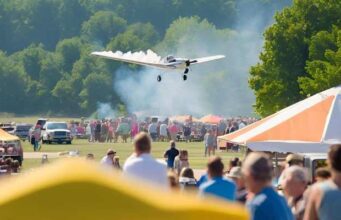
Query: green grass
{"points": [[195, 149]]}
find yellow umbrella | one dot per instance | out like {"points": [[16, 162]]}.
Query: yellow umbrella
{"points": [[76, 189]]}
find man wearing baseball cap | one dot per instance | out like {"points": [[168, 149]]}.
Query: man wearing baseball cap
{"points": [[236, 175], [108, 159]]}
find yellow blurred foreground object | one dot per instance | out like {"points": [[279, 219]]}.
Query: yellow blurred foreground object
{"points": [[77, 189]]}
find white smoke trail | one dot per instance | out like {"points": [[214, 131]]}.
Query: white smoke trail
{"points": [[104, 110]]}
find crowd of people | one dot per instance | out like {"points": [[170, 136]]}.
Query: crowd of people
{"points": [[251, 182], [110, 130]]}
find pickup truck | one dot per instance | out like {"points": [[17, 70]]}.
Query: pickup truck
{"points": [[56, 132]]}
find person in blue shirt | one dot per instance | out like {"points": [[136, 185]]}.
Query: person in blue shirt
{"points": [[217, 185], [170, 155], [266, 203]]}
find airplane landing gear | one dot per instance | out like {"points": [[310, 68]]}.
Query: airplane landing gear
{"points": [[186, 71], [184, 77], [159, 78]]}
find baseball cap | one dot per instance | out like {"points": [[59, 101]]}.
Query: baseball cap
{"points": [[235, 172], [111, 151]]}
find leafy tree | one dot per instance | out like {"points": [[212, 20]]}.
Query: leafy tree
{"points": [[72, 13], [137, 37], [324, 65], [102, 26], [286, 50], [12, 86], [97, 88], [70, 51]]}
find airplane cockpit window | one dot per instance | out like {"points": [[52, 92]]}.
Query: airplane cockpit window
{"points": [[170, 59]]}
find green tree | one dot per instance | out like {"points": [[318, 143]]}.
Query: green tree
{"points": [[97, 88], [137, 37], [12, 86], [324, 65], [102, 26], [286, 50], [70, 51]]}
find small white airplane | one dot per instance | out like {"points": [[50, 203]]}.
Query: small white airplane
{"points": [[151, 59]]}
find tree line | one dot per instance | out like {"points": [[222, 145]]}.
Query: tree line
{"points": [[45, 65]]}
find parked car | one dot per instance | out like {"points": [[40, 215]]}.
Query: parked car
{"points": [[9, 129], [56, 132], [22, 131]]}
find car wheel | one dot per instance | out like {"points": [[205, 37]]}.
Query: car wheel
{"points": [[68, 142]]}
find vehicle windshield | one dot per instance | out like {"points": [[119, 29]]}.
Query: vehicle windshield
{"points": [[23, 128], [8, 129], [57, 126]]}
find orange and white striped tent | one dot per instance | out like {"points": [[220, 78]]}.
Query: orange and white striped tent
{"points": [[310, 125]]}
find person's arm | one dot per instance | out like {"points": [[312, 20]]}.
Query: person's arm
{"points": [[165, 155], [313, 204]]}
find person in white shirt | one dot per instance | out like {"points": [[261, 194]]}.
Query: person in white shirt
{"points": [[163, 132], [142, 165], [108, 159]]}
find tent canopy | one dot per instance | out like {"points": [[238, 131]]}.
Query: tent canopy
{"points": [[211, 119], [78, 189], [184, 118], [4, 136], [310, 125]]}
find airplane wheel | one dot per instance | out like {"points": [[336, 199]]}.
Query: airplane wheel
{"points": [[185, 77], [159, 78]]}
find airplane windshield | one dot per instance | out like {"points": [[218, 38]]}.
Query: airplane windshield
{"points": [[170, 59]]}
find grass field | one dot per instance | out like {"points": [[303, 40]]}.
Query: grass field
{"points": [[195, 149]]}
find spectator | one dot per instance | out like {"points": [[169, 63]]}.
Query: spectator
{"points": [[186, 179], [172, 180], [290, 160], [109, 158], [218, 185], [142, 165], [116, 162], [322, 174], [123, 130], [266, 204], [37, 137], [209, 142], [187, 133], [181, 161], [294, 184], [170, 155], [152, 130], [110, 136], [163, 132], [98, 131], [236, 175], [173, 130], [325, 198]]}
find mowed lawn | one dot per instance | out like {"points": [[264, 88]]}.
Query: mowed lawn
{"points": [[195, 149]]}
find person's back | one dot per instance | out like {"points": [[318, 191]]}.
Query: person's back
{"points": [[268, 204], [147, 168], [330, 205], [170, 154], [219, 187], [142, 165]]}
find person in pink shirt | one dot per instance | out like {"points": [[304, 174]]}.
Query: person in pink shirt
{"points": [[134, 129], [173, 130]]}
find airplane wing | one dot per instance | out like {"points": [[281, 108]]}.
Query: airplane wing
{"points": [[141, 58], [206, 59]]}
